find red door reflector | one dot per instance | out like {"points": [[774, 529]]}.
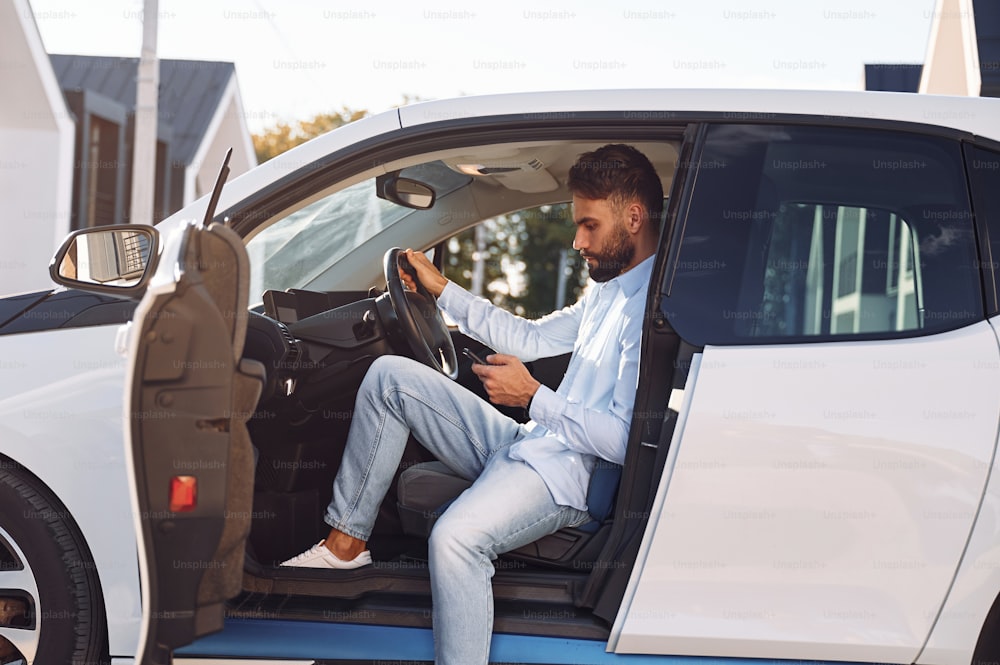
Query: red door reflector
{"points": [[183, 494]]}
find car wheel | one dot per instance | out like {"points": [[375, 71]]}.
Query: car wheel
{"points": [[50, 602]]}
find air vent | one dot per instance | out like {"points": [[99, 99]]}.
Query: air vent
{"points": [[294, 350]]}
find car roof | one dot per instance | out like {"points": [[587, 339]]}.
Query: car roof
{"points": [[977, 115]]}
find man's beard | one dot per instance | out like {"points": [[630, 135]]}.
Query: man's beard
{"points": [[616, 256]]}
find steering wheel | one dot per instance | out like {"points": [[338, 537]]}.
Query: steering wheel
{"points": [[412, 319]]}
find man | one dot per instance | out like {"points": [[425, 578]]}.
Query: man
{"points": [[530, 480]]}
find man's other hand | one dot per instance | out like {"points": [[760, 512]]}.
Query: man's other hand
{"points": [[507, 380], [429, 276]]}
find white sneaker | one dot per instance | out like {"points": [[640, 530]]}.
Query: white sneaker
{"points": [[318, 556]]}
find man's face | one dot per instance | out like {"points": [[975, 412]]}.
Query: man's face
{"points": [[601, 238]]}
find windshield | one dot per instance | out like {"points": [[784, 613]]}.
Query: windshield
{"points": [[292, 251]]}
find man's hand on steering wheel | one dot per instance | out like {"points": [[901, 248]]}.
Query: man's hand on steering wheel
{"points": [[429, 276], [409, 313]]}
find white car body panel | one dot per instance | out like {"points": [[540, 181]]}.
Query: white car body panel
{"points": [[60, 418], [975, 586], [806, 514]]}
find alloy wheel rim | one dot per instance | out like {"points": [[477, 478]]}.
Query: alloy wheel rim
{"points": [[19, 587]]}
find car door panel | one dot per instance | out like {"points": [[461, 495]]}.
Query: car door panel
{"points": [[844, 415], [190, 398], [807, 516]]}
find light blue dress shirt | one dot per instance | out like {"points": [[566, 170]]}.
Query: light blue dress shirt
{"points": [[588, 416]]}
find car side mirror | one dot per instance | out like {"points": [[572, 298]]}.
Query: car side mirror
{"points": [[404, 191], [114, 259]]}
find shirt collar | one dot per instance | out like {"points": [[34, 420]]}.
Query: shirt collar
{"points": [[636, 278]]}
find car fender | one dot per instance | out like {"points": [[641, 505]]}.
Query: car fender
{"points": [[60, 419]]}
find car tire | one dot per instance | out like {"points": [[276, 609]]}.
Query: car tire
{"points": [[46, 567]]}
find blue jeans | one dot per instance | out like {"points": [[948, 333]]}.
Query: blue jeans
{"points": [[506, 507]]}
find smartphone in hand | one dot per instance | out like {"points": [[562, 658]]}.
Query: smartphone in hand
{"points": [[473, 357]]}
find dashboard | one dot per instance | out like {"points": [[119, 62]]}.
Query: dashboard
{"points": [[315, 346]]}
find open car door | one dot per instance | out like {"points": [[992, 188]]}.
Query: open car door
{"points": [[188, 400]]}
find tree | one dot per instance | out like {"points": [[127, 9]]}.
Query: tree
{"points": [[522, 257], [545, 234], [284, 136]]}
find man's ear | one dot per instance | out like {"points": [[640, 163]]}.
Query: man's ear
{"points": [[635, 216]]}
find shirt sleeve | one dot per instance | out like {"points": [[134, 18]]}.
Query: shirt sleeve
{"points": [[603, 433], [551, 335]]}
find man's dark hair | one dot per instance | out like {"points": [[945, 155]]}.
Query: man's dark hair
{"points": [[621, 174]]}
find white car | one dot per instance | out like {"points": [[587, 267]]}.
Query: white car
{"points": [[809, 474]]}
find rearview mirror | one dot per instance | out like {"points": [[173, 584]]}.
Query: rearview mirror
{"points": [[109, 259], [404, 191]]}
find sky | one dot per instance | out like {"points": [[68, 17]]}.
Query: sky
{"points": [[297, 58]]}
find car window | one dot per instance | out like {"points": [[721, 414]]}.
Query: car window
{"points": [[522, 261], [984, 176], [810, 233]]}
